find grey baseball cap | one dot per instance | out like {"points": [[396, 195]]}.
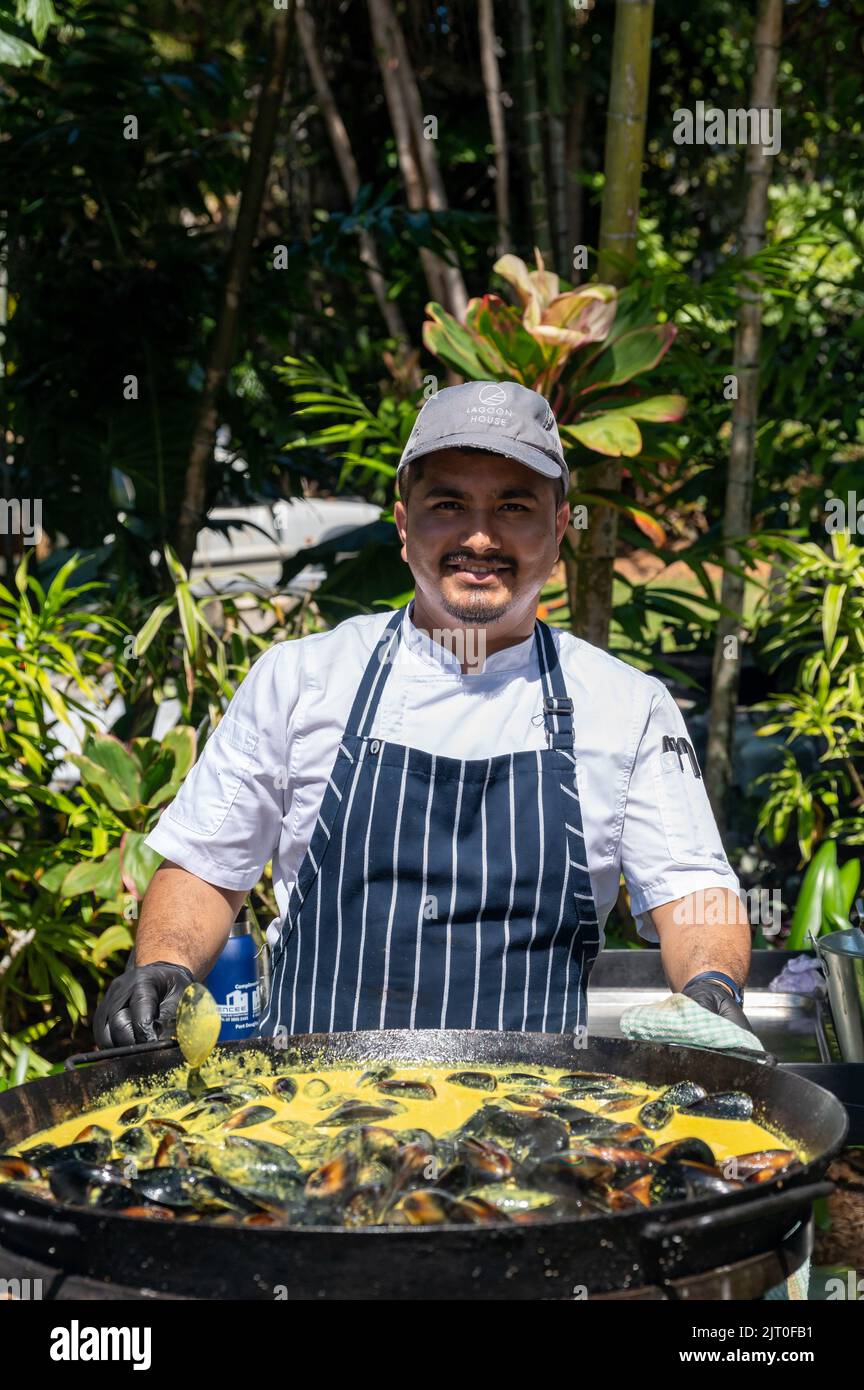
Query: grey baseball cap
{"points": [[500, 417]]}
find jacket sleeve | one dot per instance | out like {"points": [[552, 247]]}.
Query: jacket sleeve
{"points": [[224, 823], [670, 845]]}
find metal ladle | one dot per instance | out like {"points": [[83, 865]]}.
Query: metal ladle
{"points": [[198, 1025]]}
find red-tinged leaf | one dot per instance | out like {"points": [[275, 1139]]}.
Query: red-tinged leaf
{"points": [[648, 525], [630, 355], [614, 434], [452, 342], [589, 312], [502, 342], [658, 409]]}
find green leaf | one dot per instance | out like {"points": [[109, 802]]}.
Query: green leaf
{"points": [[147, 633], [175, 568], [157, 773], [113, 939], [448, 339], [138, 863], [633, 353], [506, 348], [52, 878], [15, 53], [832, 607], [658, 409], [99, 876], [614, 434], [188, 618], [118, 762], [95, 776], [850, 877], [181, 742]]}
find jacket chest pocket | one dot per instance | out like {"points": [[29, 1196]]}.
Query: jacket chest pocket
{"points": [[688, 821]]}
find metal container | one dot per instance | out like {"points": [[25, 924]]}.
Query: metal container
{"points": [[239, 981], [842, 955]]}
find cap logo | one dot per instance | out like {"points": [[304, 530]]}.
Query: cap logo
{"points": [[492, 394]]}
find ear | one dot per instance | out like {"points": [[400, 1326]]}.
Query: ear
{"points": [[562, 521], [400, 516]]}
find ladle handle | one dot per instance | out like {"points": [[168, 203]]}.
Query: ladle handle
{"points": [[106, 1054]]}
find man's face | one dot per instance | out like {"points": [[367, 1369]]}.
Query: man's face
{"points": [[480, 534]]}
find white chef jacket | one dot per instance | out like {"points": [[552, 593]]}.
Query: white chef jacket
{"points": [[255, 792]]}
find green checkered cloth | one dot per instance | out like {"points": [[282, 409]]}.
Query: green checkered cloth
{"points": [[681, 1020]]}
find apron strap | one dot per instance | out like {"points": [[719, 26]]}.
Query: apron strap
{"points": [[371, 685], [557, 705]]}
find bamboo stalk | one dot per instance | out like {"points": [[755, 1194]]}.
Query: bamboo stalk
{"points": [[590, 562]]}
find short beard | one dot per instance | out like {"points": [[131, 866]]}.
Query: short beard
{"points": [[475, 610]]}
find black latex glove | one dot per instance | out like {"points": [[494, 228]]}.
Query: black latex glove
{"points": [[141, 1004], [715, 997]]}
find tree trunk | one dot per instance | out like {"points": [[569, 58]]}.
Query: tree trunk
{"points": [[492, 87], [556, 106], [222, 349], [575, 194], [532, 132], [591, 563], [574, 154], [341, 143], [417, 158], [737, 515]]}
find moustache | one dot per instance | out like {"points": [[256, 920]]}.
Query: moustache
{"points": [[454, 557]]}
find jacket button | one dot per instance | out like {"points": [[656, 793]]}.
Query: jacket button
{"points": [[374, 746]]}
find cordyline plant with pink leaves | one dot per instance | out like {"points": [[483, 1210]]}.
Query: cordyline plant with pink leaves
{"points": [[568, 346]]}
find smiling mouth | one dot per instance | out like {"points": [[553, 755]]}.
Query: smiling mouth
{"points": [[476, 571]]}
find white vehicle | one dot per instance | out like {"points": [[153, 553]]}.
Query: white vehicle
{"points": [[262, 536]]}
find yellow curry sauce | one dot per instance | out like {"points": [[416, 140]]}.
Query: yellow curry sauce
{"points": [[307, 1125]]}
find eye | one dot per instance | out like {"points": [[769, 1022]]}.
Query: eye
{"points": [[519, 506], [450, 502]]}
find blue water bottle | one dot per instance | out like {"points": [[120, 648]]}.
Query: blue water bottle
{"points": [[238, 982]]}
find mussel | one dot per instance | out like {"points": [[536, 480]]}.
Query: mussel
{"points": [[721, 1105]]}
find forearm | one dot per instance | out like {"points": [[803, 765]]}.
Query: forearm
{"points": [[185, 920], [689, 944]]}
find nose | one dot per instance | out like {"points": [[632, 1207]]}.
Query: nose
{"points": [[479, 531]]}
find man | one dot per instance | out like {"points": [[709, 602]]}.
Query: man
{"points": [[447, 833]]}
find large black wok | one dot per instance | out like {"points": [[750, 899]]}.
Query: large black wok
{"points": [[553, 1259]]}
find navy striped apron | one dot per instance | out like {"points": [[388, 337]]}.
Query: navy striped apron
{"points": [[441, 893]]}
